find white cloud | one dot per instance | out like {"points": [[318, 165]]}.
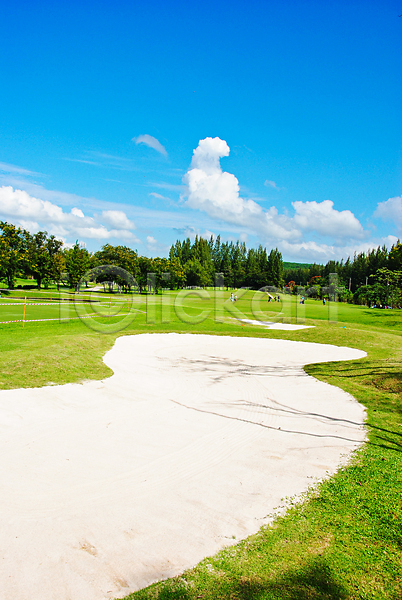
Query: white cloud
{"points": [[271, 184], [117, 219], [124, 234], [324, 219], [389, 241], [98, 233], [192, 232], [17, 203], [83, 161], [31, 226], [311, 251], [6, 168], [158, 196], [167, 186], [77, 212], [54, 196], [100, 159], [390, 210], [33, 214], [151, 142], [156, 248], [208, 234], [217, 193], [207, 155]]}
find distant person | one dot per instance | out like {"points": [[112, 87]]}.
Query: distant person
{"points": [[323, 301]]}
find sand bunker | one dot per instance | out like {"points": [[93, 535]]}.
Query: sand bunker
{"points": [[108, 486]]}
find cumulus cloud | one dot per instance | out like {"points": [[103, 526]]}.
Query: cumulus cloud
{"points": [[324, 219], [217, 193], [151, 142], [33, 214], [117, 219], [207, 155], [390, 210], [17, 203], [77, 212], [310, 251]]}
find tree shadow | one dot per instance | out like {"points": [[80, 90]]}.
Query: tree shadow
{"points": [[383, 376], [361, 369], [315, 580]]}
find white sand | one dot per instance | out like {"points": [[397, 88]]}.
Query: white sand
{"points": [[273, 325], [108, 486]]}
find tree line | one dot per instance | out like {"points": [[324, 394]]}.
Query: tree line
{"points": [[241, 267], [367, 278], [373, 278], [44, 258]]}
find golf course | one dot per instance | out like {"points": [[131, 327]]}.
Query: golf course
{"points": [[341, 537]]}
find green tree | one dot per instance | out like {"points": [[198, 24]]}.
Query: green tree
{"points": [[226, 267], [252, 270], [57, 267], [238, 269], [196, 274], [391, 282], [13, 252], [145, 266], [177, 275], [119, 256], [217, 255], [205, 258], [185, 251], [275, 269], [42, 251], [78, 262], [395, 257]]}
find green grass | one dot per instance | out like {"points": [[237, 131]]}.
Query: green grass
{"points": [[344, 540]]}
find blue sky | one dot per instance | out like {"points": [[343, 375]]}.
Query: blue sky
{"points": [[293, 109]]}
